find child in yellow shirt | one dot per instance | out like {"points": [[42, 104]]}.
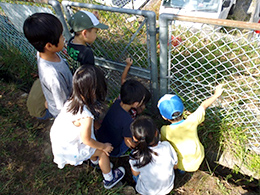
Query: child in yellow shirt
{"points": [[182, 134]]}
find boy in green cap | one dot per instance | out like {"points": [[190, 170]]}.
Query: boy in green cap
{"points": [[85, 25]]}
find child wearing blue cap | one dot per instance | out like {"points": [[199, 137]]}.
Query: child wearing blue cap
{"points": [[182, 134]]}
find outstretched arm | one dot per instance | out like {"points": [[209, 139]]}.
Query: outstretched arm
{"points": [[129, 62], [206, 103]]}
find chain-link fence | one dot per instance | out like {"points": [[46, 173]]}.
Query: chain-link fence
{"points": [[131, 34], [196, 55]]}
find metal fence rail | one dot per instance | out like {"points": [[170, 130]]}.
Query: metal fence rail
{"points": [[196, 54]]}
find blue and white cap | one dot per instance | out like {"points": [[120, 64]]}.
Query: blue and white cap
{"points": [[169, 104]]}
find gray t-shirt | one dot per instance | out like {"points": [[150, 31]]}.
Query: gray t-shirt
{"points": [[56, 82]]}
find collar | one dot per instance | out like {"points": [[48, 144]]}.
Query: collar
{"points": [[178, 122]]}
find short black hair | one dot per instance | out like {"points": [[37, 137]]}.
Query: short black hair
{"points": [[132, 91], [42, 28]]}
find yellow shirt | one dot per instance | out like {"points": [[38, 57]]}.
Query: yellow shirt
{"points": [[184, 138]]}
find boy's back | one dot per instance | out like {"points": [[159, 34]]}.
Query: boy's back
{"points": [[183, 137], [115, 126], [182, 134], [56, 82]]}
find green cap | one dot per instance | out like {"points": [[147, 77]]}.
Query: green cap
{"points": [[85, 20]]}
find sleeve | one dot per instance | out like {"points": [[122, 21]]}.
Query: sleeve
{"points": [[173, 153], [163, 133], [198, 115], [132, 163]]}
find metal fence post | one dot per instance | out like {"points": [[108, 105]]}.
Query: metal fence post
{"points": [[154, 69], [163, 36], [56, 6]]}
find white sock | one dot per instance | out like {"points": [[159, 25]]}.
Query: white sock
{"points": [[108, 176], [95, 162]]}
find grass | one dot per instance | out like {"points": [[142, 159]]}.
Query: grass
{"points": [[26, 159], [16, 67]]}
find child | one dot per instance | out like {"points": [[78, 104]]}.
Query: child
{"points": [[152, 162], [182, 134], [135, 111], [44, 32], [115, 127], [85, 26], [72, 134]]}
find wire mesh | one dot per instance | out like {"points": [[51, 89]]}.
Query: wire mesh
{"points": [[200, 56]]}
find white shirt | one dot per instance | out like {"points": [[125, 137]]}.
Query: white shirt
{"points": [[67, 146], [157, 177]]}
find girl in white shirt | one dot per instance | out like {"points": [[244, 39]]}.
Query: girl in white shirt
{"points": [[72, 134], [152, 162]]}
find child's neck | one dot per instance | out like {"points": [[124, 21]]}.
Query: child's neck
{"points": [[176, 122], [126, 107], [78, 40], [50, 56]]}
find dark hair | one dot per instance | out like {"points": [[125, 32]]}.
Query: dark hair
{"points": [[79, 32], [179, 117], [42, 28], [144, 131], [89, 87], [147, 96], [132, 91]]}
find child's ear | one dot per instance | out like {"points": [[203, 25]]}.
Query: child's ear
{"points": [[135, 104], [84, 33], [48, 46]]}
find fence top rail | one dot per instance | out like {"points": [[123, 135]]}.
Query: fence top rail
{"points": [[164, 18], [37, 1], [149, 14]]}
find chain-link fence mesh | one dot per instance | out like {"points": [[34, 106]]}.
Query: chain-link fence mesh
{"points": [[200, 56]]}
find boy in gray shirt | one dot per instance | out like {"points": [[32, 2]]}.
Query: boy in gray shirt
{"points": [[44, 32]]}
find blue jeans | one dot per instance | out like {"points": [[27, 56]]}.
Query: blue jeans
{"points": [[46, 116], [123, 148], [135, 178]]}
